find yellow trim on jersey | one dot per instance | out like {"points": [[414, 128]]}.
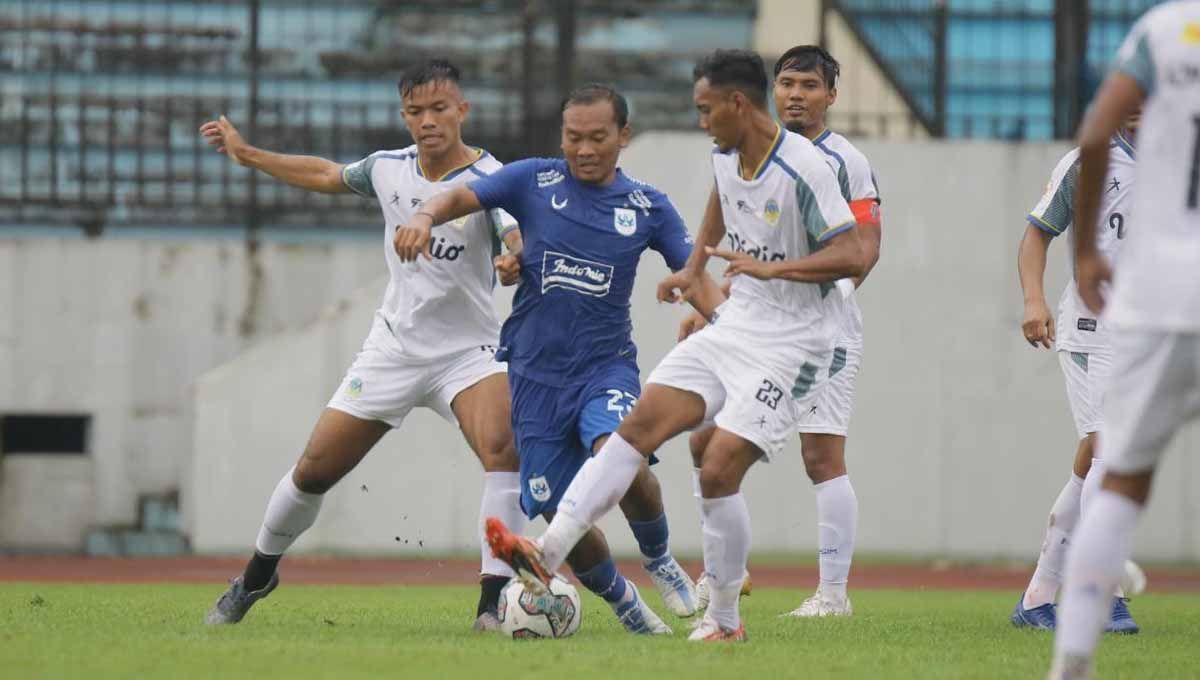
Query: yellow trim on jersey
{"points": [[1045, 224], [478, 155], [767, 158], [834, 228]]}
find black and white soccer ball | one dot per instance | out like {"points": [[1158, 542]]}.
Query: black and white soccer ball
{"points": [[554, 615]]}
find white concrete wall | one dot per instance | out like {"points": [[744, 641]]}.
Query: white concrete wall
{"points": [[120, 329], [961, 439]]}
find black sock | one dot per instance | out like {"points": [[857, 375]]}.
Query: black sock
{"points": [[259, 571], [489, 592]]}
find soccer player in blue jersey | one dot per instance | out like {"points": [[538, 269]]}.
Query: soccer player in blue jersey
{"points": [[572, 363]]}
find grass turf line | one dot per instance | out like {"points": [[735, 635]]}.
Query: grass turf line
{"points": [[105, 631]]}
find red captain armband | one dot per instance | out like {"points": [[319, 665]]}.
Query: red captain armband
{"points": [[866, 211]]}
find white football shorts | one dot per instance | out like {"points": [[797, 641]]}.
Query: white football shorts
{"points": [[750, 376], [829, 410], [1086, 375], [1154, 390], [381, 385]]}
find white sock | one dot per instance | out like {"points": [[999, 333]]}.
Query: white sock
{"points": [[697, 494], [1102, 543], [290, 512], [726, 549], [597, 488], [1091, 484], [837, 522], [1064, 515], [501, 498]]}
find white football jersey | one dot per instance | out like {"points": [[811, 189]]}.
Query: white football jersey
{"points": [[1157, 283], [791, 206], [857, 183], [1078, 329], [444, 305]]}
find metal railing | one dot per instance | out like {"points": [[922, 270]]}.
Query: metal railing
{"points": [[101, 100], [1008, 69]]}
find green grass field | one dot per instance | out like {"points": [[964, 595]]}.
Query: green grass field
{"points": [[105, 631]]}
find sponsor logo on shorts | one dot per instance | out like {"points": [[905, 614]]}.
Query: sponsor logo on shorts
{"points": [[354, 388], [1086, 324], [625, 221], [577, 274], [539, 488]]}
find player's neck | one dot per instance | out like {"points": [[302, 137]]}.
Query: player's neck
{"points": [[812, 132], [434, 168], [756, 145]]}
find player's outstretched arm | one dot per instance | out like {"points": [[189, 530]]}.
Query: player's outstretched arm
{"points": [[1038, 322], [307, 172], [1119, 97], [678, 287], [412, 239], [842, 257]]}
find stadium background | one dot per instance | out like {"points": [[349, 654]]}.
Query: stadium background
{"points": [[170, 325]]}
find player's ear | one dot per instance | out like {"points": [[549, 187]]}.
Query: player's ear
{"points": [[832, 97], [625, 135], [464, 107]]}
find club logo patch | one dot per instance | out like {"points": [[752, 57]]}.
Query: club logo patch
{"points": [[625, 221], [354, 388], [577, 274], [539, 488], [771, 212]]}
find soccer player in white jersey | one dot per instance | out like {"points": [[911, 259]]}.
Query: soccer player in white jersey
{"points": [[1153, 309], [790, 234], [805, 87], [1084, 354], [431, 343]]}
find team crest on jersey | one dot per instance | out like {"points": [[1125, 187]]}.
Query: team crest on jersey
{"points": [[459, 223], [771, 212], [577, 274], [354, 388], [539, 488], [1191, 34], [625, 221]]}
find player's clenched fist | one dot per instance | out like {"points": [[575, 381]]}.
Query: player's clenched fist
{"points": [[677, 287], [412, 239], [1038, 324], [508, 268], [223, 135]]}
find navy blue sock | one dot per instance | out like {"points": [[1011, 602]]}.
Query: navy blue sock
{"points": [[604, 580], [651, 536]]}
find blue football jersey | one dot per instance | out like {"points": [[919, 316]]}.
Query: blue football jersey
{"points": [[570, 315]]}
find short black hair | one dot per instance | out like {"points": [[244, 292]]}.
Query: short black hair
{"points": [[739, 69], [810, 58], [429, 71], [599, 92]]}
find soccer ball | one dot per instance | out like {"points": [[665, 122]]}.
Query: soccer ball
{"points": [[525, 615]]}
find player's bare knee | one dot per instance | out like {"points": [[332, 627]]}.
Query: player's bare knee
{"points": [[719, 479], [697, 442], [308, 477], [499, 455]]}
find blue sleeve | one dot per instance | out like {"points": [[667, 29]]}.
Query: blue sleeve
{"points": [[503, 188], [672, 238]]}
